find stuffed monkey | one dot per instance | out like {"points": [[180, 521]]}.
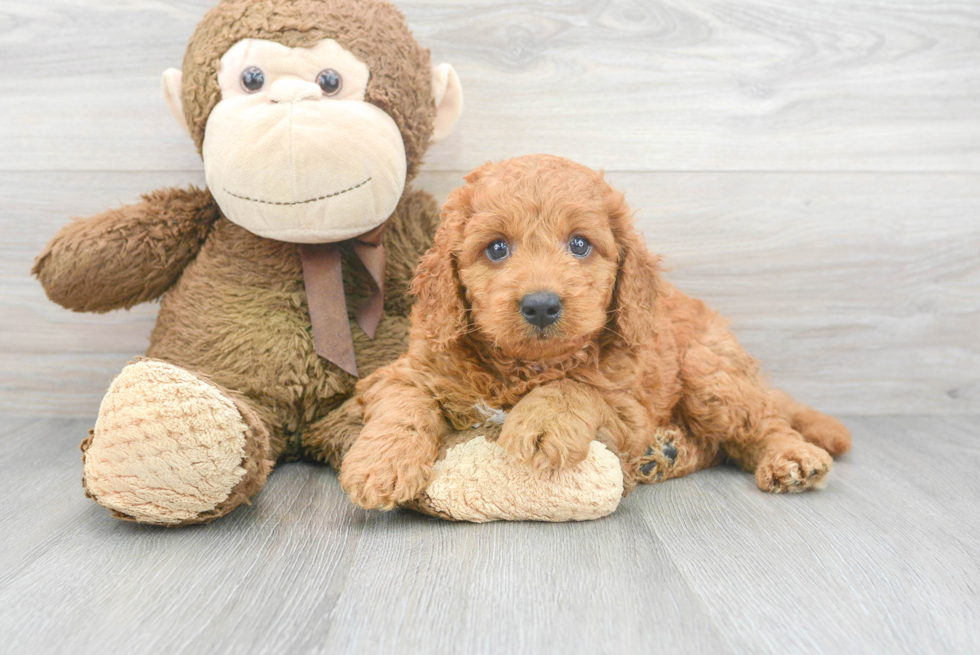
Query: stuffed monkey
{"points": [[282, 281]]}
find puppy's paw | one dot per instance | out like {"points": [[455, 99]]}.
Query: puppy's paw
{"points": [[375, 481], [535, 433], [793, 468]]}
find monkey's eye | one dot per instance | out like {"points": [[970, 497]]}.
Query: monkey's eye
{"points": [[253, 79], [579, 246], [498, 250], [330, 81]]}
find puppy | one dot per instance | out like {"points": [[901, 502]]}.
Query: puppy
{"points": [[540, 299]]}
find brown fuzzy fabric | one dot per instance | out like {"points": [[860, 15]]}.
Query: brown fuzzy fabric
{"points": [[126, 256], [237, 317], [374, 30], [234, 308], [329, 439]]}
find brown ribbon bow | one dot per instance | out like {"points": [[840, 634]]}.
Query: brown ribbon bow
{"points": [[323, 276]]}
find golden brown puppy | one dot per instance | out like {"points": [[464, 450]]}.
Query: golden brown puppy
{"points": [[539, 298]]}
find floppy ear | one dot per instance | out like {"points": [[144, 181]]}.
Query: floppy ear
{"points": [[638, 279], [440, 309]]}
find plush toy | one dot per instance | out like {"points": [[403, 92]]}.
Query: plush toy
{"points": [[285, 278]]}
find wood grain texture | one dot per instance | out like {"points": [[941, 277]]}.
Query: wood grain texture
{"points": [[885, 559], [654, 85], [863, 552], [859, 294]]}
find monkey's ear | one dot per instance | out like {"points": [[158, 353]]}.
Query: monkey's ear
{"points": [[448, 95], [172, 82]]}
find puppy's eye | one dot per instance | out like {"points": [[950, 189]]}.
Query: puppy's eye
{"points": [[579, 246], [498, 250], [330, 81], [253, 79]]}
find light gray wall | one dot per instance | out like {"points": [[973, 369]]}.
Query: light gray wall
{"points": [[810, 168]]}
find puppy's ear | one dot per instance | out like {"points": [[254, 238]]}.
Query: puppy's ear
{"points": [[440, 309], [638, 279]]}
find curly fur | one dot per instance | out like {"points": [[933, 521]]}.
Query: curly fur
{"points": [[630, 358]]}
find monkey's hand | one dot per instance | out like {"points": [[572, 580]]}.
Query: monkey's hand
{"points": [[128, 255]]}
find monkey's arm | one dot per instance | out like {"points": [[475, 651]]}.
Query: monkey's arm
{"points": [[126, 256]]}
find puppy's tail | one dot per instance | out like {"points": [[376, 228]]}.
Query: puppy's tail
{"points": [[817, 428]]}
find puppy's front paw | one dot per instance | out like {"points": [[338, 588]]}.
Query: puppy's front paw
{"points": [[377, 482], [795, 468], [535, 433]]}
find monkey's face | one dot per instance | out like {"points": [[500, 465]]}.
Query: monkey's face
{"points": [[293, 152], [311, 116]]}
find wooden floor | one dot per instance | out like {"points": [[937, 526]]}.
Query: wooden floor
{"points": [[885, 559]]}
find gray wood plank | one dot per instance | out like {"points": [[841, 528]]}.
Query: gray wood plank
{"points": [[885, 559], [605, 586], [265, 578], [858, 293], [876, 562], [921, 448], [659, 85]]}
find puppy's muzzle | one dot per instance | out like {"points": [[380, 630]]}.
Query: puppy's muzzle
{"points": [[541, 308]]}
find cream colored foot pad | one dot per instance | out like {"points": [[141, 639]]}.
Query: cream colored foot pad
{"points": [[167, 446], [477, 481]]}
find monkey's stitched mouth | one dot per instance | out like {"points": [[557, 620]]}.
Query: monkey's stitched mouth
{"points": [[299, 202]]}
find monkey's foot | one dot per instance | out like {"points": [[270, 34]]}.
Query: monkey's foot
{"points": [[170, 448], [478, 481]]}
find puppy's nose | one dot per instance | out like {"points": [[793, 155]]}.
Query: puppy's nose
{"points": [[541, 308]]}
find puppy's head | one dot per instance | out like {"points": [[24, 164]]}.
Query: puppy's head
{"points": [[537, 256]]}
